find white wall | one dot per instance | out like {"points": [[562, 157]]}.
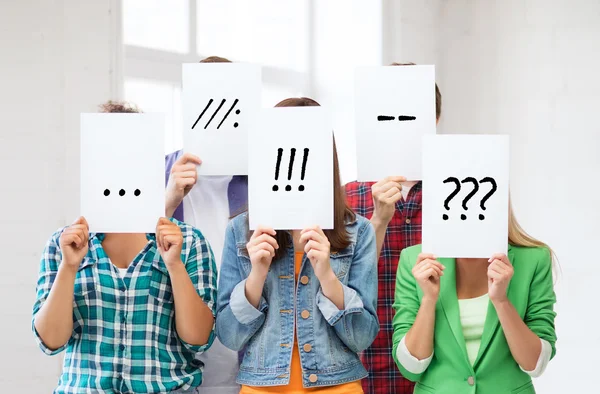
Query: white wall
{"points": [[528, 68], [56, 62]]}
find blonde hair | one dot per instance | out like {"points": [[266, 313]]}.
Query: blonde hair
{"points": [[519, 237]]}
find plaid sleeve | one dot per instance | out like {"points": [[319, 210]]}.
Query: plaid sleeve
{"points": [[202, 270], [49, 263]]}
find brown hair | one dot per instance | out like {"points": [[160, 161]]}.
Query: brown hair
{"points": [[342, 213], [438, 95], [119, 107], [215, 59]]}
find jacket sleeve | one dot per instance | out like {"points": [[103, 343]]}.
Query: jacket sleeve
{"points": [[540, 314], [237, 319], [406, 305], [357, 325]]}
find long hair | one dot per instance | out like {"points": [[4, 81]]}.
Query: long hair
{"points": [[338, 237], [517, 236]]}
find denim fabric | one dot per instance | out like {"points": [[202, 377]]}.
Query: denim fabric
{"points": [[267, 333]]}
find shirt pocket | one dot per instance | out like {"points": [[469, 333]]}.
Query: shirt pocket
{"points": [[340, 263], [160, 290], [244, 258], [85, 295]]}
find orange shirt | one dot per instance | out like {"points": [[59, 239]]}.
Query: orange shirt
{"points": [[295, 385]]}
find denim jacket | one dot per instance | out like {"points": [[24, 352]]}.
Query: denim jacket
{"points": [[329, 339]]}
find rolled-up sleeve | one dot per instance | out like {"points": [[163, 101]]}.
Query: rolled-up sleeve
{"points": [[202, 270], [237, 319], [51, 258], [357, 325]]}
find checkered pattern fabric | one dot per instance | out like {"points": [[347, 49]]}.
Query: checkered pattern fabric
{"points": [[124, 338], [403, 231]]}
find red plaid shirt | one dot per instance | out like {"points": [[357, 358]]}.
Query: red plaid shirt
{"points": [[403, 231]]}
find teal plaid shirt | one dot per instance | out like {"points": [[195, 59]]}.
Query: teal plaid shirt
{"points": [[124, 338]]}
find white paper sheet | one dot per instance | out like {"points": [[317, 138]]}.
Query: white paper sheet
{"points": [[284, 199], [394, 109], [220, 102], [473, 163], [122, 172]]}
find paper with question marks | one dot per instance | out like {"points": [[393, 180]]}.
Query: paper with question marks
{"points": [[291, 169], [122, 172], [220, 102], [465, 195], [394, 109]]}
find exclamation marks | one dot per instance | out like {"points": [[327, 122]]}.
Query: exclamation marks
{"points": [[301, 187], [279, 154], [290, 168]]}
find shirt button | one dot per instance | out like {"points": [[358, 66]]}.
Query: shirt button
{"points": [[304, 280], [471, 380], [121, 347], [313, 378], [305, 314], [407, 221], [307, 347]]}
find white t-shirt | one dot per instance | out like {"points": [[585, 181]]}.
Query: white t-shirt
{"points": [[206, 207]]}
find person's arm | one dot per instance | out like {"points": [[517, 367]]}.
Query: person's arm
{"points": [[54, 322], [356, 323], [194, 285], [181, 177], [386, 193], [528, 338], [414, 321], [241, 308]]}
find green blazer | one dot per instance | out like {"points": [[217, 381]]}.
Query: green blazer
{"points": [[531, 291]]}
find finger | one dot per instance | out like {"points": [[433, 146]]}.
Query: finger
{"points": [[85, 223], [494, 275], [79, 220], [266, 246], [184, 182], [262, 230], [178, 169], [499, 270], [312, 245], [393, 190], [72, 238], [396, 179], [163, 221], [393, 199], [430, 273], [424, 256], [500, 256], [265, 238], [500, 265], [189, 158], [430, 266], [314, 255], [172, 239], [314, 235], [185, 175], [263, 254]]}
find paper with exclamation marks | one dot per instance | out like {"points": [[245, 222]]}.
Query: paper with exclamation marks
{"points": [[291, 169]]}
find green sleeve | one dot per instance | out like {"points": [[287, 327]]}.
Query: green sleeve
{"points": [[540, 314], [406, 305]]}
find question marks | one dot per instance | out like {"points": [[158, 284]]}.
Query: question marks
{"points": [[452, 195], [490, 193], [290, 168], [470, 195]]}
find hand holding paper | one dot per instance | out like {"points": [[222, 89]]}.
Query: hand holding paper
{"points": [[74, 243]]}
